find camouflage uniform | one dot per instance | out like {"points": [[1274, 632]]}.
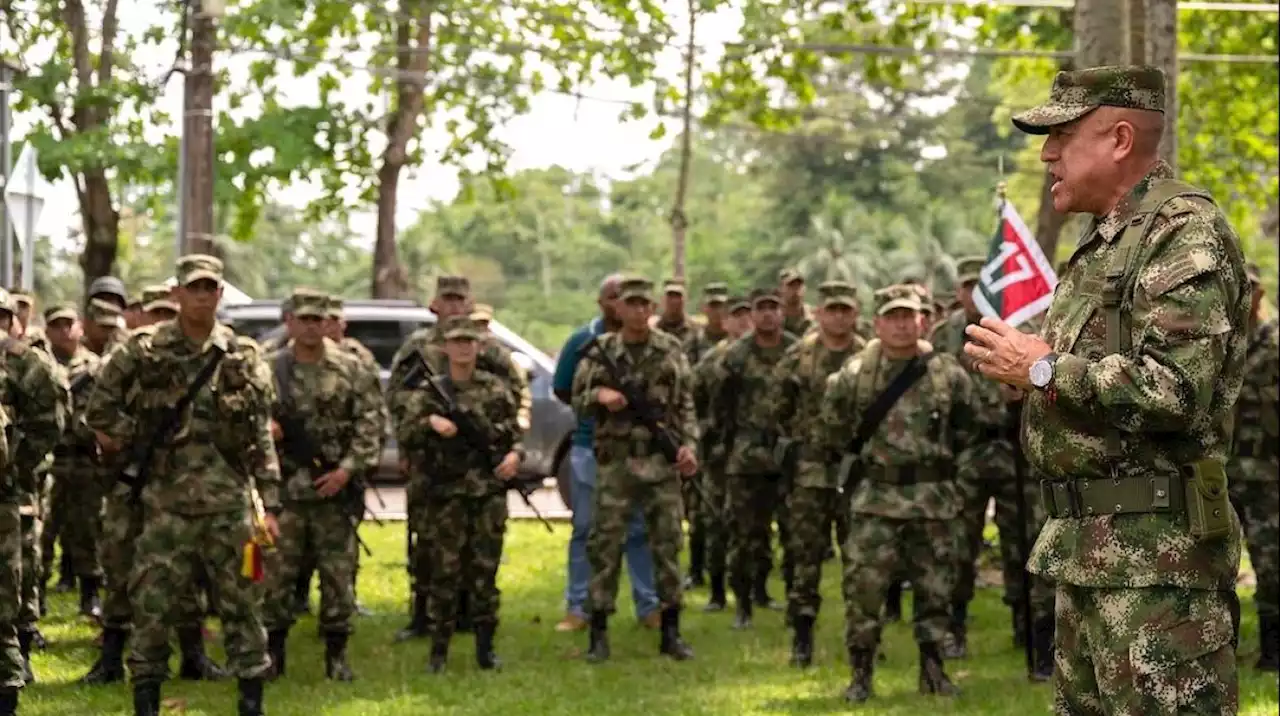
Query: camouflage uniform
{"points": [[797, 324], [816, 506], [991, 475], [196, 500], [1253, 481], [632, 471], [467, 501], [1132, 434], [12, 665], [428, 343], [744, 380], [905, 498]]}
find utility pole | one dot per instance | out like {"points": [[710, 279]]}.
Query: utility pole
{"points": [[7, 73], [197, 131]]}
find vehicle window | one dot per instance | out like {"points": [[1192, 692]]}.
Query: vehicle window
{"points": [[383, 338]]}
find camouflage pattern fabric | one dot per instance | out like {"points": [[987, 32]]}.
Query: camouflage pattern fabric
{"points": [[77, 477], [712, 457], [1078, 92], [816, 512], [465, 552], [1166, 404], [1254, 470], [630, 469], [11, 662], [318, 530], [1137, 652], [800, 323], [695, 342]]}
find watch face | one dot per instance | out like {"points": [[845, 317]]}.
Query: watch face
{"points": [[1041, 373]]}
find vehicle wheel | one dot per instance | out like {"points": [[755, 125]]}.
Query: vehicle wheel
{"points": [[564, 481]]}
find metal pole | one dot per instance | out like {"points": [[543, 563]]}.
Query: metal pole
{"points": [[181, 233], [29, 221], [6, 234]]}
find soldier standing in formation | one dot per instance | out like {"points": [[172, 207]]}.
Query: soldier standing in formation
{"points": [[817, 507], [797, 319], [463, 432], [1253, 470], [1128, 414], [632, 468], [901, 417], [201, 483], [698, 515], [328, 427]]}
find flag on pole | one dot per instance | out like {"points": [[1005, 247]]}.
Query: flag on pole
{"points": [[1017, 282]]}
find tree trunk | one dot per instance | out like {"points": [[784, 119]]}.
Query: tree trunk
{"points": [[679, 220], [101, 224], [1100, 29], [414, 26], [1137, 25], [198, 126], [1161, 50]]}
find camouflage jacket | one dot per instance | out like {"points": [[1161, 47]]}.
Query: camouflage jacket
{"points": [[35, 394], [800, 380], [340, 404], [357, 349], [223, 439], [1257, 418], [116, 338], [658, 369], [693, 337], [928, 430], [711, 448], [81, 369], [493, 358], [798, 325], [992, 415], [1168, 398], [455, 466], [743, 378]]}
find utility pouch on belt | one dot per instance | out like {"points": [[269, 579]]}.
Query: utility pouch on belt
{"points": [[1208, 511]]}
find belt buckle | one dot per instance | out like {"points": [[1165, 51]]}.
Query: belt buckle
{"points": [[1074, 500]]}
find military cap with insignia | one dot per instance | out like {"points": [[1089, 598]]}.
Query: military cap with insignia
{"points": [[60, 312], [457, 286], [309, 303], [837, 293], [897, 296], [460, 328], [199, 267], [1076, 93]]}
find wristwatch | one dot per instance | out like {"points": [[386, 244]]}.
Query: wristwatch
{"points": [[1041, 373]]}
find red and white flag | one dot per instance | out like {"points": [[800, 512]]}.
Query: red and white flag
{"points": [[1017, 283]]}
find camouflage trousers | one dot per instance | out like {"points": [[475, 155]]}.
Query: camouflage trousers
{"points": [[1258, 504], [816, 512], [713, 521], [752, 502], [880, 547], [121, 526], [169, 550], [32, 581], [465, 552], [316, 533], [54, 508], [419, 520], [1143, 652], [621, 485], [10, 589], [80, 525]]}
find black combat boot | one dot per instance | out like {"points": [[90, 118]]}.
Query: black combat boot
{"points": [[697, 559], [957, 645], [439, 655], [335, 657], [463, 623], [1269, 644], [760, 593], [8, 702], [893, 602], [24, 645], [486, 658], [277, 640], [66, 578], [802, 641], [417, 627], [862, 663], [196, 664], [933, 680], [718, 601], [671, 644], [146, 699], [1042, 649], [109, 668], [598, 645], [251, 701], [744, 607], [90, 604]]}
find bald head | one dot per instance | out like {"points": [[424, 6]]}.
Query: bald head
{"points": [[610, 284], [608, 300]]}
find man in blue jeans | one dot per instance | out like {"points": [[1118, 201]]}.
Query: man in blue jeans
{"points": [[582, 460]]}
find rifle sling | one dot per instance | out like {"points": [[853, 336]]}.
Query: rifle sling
{"points": [[175, 413], [884, 402]]}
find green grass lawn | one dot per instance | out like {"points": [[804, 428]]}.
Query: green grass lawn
{"points": [[545, 674]]}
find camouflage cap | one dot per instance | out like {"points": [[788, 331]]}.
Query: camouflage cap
{"points": [[21, 297], [969, 269], [1253, 273], [104, 313], [335, 307], [195, 267], [789, 275], [898, 296], [309, 302], [460, 328], [453, 286], [838, 293], [673, 285], [158, 298], [764, 295], [1079, 92], [482, 312], [715, 293], [635, 287], [739, 303], [60, 312]]}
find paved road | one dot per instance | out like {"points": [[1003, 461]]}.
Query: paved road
{"points": [[546, 499]]}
